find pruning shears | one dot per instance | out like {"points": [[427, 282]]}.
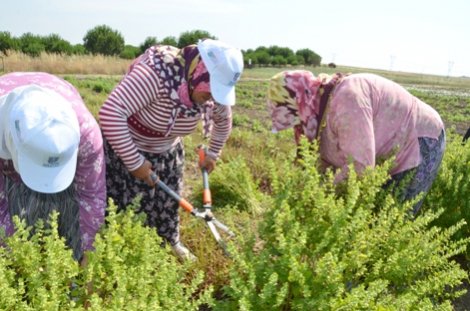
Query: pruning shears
{"points": [[206, 212]]}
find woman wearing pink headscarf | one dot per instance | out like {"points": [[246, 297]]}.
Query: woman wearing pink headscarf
{"points": [[161, 99], [362, 117]]}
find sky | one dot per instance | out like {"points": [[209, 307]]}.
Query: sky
{"points": [[422, 36]]}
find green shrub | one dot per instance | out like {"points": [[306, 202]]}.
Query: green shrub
{"points": [[233, 184], [359, 250], [129, 265], [239, 120], [451, 189], [36, 272], [129, 270]]}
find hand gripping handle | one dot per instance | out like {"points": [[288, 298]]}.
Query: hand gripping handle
{"points": [[181, 201], [206, 195]]}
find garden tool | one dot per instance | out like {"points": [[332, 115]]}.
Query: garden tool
{"points": [[206, 212]]}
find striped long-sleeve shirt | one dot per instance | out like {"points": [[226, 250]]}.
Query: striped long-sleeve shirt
{"points": [[90, 174], [139, 101]]}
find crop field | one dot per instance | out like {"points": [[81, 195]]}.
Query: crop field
{"points": [[301, 243]]}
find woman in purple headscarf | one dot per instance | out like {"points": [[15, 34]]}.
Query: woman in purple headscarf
{"points": [[363, 118], [161, 99]]}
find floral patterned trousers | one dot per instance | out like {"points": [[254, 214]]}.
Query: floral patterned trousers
{"points": [[161, 210], [419, 179]]}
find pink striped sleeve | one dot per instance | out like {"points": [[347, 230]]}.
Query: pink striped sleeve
{"points": [[221, 130], [134, 92]]}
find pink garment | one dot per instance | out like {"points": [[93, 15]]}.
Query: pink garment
{"points": [[371, 118], [367, 118], [90, 174]]}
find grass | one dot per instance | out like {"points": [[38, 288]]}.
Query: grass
{"points": [[58, 64], [404, 78], [94, 90]]}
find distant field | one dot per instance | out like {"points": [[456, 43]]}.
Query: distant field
{"points": [[450, 96], [405, 78]]}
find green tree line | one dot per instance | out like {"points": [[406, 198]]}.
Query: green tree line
{"points": [[104, 40]]}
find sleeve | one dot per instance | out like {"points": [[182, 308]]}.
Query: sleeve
{"points": [[353, 124], [221, 130], [5, 219], [134, 92], [91, 185]]}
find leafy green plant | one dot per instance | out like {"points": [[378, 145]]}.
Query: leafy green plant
{"points": [[129, 270], [36, 272], [129, 264], [233, 184], [318, 249], [451, 189]]}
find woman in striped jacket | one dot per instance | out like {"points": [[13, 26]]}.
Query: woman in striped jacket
{"points": [[161, 99]]}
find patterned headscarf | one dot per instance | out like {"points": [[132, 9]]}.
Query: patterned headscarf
{"points": [[183, 72], [295, 99]]}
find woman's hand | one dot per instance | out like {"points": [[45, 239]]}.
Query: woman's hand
{"points": [[143, 173], [208, 163]]}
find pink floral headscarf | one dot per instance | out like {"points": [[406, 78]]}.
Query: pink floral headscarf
{"points": [[294, 101]]}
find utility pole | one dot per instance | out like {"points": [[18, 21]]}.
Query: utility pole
{"points": [[449, 67], [392, 61]]}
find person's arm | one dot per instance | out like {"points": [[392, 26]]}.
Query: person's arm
{"points": [[134, 92], [353, 124], [222, 116], [91, 185]]}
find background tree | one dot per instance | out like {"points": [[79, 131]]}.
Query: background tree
{"points": [[130, 52], [300, 60], [103, 40], [310, 57], [192, 37], [275, 50], [170, 40], [149, 41], [250, 54], [7, 43], [279, 60], [31, 44], [263, 56], [78, 49], [292, 60], [53, 43]]}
